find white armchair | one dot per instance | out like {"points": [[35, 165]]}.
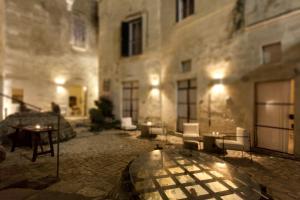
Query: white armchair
{"points": [[242, 142], [126, 124], [191, 131]]}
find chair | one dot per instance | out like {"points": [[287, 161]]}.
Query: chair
{"points": [[126, 124], [191, 133], [242, 142]]}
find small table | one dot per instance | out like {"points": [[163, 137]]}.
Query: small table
{"points": [[37, 141], [19, 137], [209, 142], [35, 135], [146, 129]]}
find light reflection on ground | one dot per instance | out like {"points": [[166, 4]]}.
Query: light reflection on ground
{"points": [[179, 175]]}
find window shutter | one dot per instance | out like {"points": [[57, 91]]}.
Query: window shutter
{"points": [[177, 10], [125, 39], [192, 7]]}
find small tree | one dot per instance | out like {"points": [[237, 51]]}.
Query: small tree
{"points": [[102, 116]]}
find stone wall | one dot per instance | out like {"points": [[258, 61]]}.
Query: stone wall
{"points": [[2, 18], [39, 51], [218, 46]]}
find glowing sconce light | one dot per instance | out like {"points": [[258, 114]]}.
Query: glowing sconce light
{"points": [[60, 89], [218, 88], [38, 126], [155, 83], [84, 88], [60, 81], [70, 4]]}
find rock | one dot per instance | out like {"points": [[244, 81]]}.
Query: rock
{"points": [[33, 118], [2, 154]]}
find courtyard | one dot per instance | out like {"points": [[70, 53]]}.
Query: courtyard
{"points": [[92, 164], [149, 99]]}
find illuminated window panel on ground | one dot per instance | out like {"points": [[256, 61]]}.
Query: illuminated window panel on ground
{"points": [[205, 167], [165, 182], [144, 185], [216, 174], [231, 197], [176, 170], [160, 173], [142, 174], [202, 176], [151, 196], [185, 179], [183, 162], [231, 184], [192, 168], [175, 194], [196, 190], [217, 187]]}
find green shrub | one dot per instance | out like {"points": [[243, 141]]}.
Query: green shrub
{"points": [[102, 116]]}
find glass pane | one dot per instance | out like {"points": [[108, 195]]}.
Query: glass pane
{"points": [[193, 83], [135, 94], [182, 84], [193, 112], [126, 94], [182, 111], [182, 96], [193, 96]]}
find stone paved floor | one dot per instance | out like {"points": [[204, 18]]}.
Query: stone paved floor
{"points": [[91, 165]]}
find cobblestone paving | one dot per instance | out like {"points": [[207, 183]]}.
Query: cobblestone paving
{"points": [[91, 165]]}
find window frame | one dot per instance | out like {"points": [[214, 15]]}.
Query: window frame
{"points": [[263, 47], [78, 18], [184, 9], [132, 37]]}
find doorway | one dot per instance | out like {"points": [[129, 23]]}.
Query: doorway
{"points": [[77, 101], [130, 100], [275, 115], [186, 102]]}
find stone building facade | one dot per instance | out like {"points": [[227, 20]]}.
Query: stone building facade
{"points": [[49, 51], [221, 63]]}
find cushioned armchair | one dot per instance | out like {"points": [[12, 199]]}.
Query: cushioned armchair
{"points": [[191, 131], [126, 124], [238, 142]]}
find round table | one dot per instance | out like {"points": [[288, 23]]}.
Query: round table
{"points": [[182, 174], [209, 142]]}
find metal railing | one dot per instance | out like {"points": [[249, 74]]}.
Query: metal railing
{"points": [[30, 106]]}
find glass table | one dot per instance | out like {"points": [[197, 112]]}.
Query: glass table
{"points": [[180, 174]]}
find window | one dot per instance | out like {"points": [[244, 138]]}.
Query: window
{"points": [[184, 9], [17, 95], [186, 103], [79, 33], [272, 53], [106, 85], [132, 37], [186, 66]]}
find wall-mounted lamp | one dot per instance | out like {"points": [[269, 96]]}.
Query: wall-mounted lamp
{"points": [[60, 89], [155, 85], [70, 4], [60, 81], [217, 86]]}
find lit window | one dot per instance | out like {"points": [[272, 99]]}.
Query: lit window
{"points": [[272, 53], [132, 37], [79, 33], [184, 9], [17, 95]]}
